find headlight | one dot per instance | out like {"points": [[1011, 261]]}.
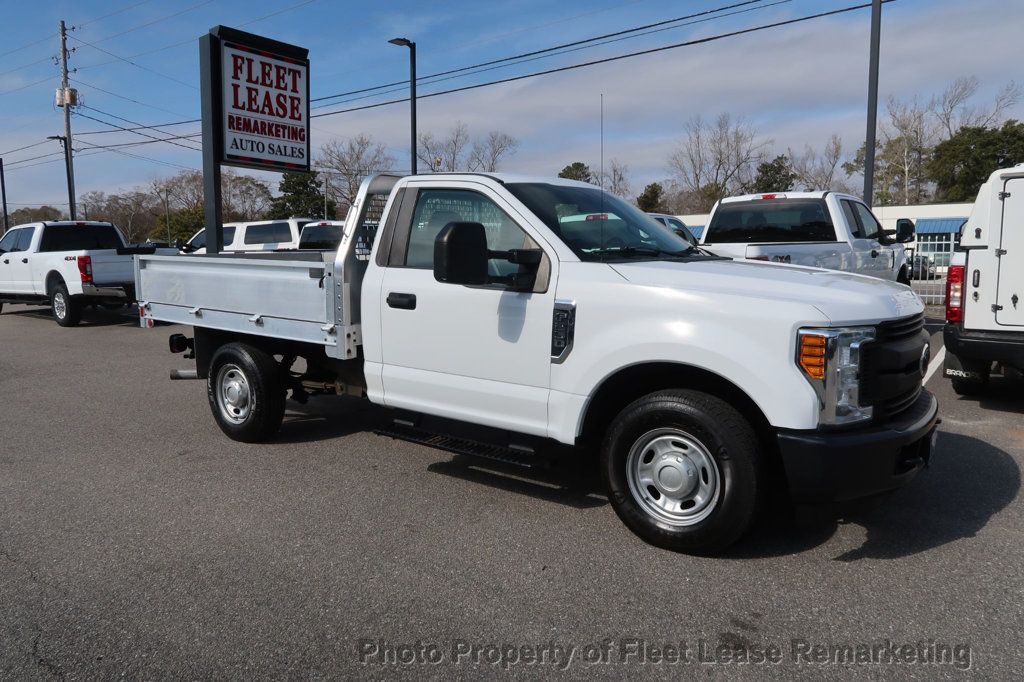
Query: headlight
{"points": [[830, 360]]}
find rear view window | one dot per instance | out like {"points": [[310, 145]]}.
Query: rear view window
{"points": [[320, 237], [269, 233], [784, 220], [79, 238]]}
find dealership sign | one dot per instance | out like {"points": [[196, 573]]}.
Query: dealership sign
{"points": [[262, 91]]}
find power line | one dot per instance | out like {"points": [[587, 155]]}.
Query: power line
{"points": [[564, 52], [138, 66], [138, 156], [115, 12], [191, 41], [549, 49], [136, 132], [33, 158], [25, 66], [28, 146], [155, 125], [26, 86], [606, 60], [155, 21], [127, 99]]}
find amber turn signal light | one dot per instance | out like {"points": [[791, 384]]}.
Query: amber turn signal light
{"points": [[812, 355]]}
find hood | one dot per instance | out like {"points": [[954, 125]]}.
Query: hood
{"points": [[843, 298]]}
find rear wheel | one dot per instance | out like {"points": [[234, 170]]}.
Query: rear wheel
{"points": [[246, 393], [67, 311], [683, 471]]}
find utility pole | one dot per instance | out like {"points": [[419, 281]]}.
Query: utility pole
{"points": [[3, 191], [327, 189], [167, 214], [65, 98], [869, 147]]}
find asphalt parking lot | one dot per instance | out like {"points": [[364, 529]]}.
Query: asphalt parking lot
{"points": [[136, 541]]}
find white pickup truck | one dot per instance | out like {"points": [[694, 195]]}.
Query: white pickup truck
{"points": [[67, 265], [820, 229], [985, 286], [545, 310]]}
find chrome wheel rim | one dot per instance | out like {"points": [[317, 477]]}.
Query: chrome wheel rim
{"points": [[234, 396], [60, 306], [673, 477]]}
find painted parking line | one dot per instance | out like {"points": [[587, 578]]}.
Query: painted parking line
{"points": [[934, 365]]}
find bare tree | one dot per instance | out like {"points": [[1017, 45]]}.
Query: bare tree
{"points": [[819, 170], [349, 161], [132, 212], [715, 160], [616, 179], [447, 153], [953, 110], [907, 142], [244, 197], [488, 152]]}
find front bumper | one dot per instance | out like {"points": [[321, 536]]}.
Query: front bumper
{"points": [[835, 466], [985, 346]]}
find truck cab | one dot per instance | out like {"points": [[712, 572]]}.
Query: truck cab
{"points": [[546, 311], [821, 229], [985, 286]]}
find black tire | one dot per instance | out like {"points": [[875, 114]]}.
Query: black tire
{"points": [[256, 417], [972, 385], [710, 423], [66, 309]]}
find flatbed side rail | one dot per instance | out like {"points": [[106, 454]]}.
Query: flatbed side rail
{"points": [[279, 298]]}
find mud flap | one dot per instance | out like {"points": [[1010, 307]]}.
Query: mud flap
{"points": [[953, 368]]}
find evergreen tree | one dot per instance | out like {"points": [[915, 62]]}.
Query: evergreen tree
{"points": [[300, 196]]}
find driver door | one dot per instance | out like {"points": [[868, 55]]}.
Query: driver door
{"points": [[874, 255], [476, 353]]}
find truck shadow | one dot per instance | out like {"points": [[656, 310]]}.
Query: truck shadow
{"points": [[571, 479], [327, 417], [128, 317], [968, 483], [1003, 394]]}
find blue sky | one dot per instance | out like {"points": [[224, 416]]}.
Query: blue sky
{"points": [[795, 85]]}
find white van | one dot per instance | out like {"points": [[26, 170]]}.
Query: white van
{"points": [[985, 286], [261, 235]]}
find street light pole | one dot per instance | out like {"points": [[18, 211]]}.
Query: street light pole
{"points": [[412, 96], [869, 146], [66, 101], [3, 191]]}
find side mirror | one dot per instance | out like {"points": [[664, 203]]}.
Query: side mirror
{"points": [[460, 254], [178, 244], [904, 231]]}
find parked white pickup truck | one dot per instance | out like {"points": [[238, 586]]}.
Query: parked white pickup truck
{"points": [[985, 286], [67, 265], [820, 229], [543, 310]]}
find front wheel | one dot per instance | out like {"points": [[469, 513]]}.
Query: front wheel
{"points": [[683, 471], [246, 393], [66, 311]]}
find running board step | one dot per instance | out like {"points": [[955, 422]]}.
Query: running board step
{"points": [[516, 455]]}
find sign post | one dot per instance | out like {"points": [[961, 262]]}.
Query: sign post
{"points": [[255, 104]]}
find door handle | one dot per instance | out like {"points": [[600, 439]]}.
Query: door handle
{"points": [[402, 301], [6, 261], [24, 260], [874, 253]]}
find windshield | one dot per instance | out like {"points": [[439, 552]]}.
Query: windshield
{"points": [[597, 225], [771, 220]]}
